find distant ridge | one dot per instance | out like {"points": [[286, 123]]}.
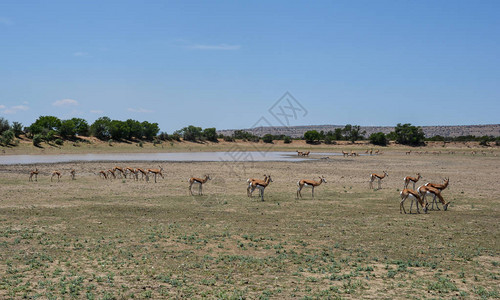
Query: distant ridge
{"points": [[445, 131]]}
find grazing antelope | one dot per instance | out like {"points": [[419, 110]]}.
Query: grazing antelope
{"points": [[56, 173], [249, 181], [72, 174], [300, 153], [311, 183], [143, 174], [414, 196], [261, 185], [377, 152], [306, 153], [439, 187], [103, 174], [371, 151], [34, 173], [345, 154], [112, 173], [427, 190], [132, 171], [156, 172], [199, 181], [122, 172], [380, 177], [408, 152], [409, 179], [353, 153]]}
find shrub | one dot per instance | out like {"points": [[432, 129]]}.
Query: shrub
{"points": [[228, 138], [268, 138], [59, 142], [37, 139], [18, 128], [312, 136], [378, 138], [329, 140], [287, 140], [50, 136], [7, 137], [4, 125], [407, 134], [141, 144]]}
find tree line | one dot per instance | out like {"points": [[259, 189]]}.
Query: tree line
{"points": [[52, 129]]}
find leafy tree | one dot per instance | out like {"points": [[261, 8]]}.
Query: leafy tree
{"points": [[163, 136], [337, 134], [136, 129], [7, 137], [210, 134], [118, 130], [100, 128], [44, 124], [378, 138], [329, 140], [268, 138], [67, 129], [353, 133], [4, 125], [407, 134], [149, 130], [37, 139], [50, 135], [17, 128], [287, 139], [312, 136], [191, 133], [82, 128]]}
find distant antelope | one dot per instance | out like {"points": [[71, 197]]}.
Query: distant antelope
{"points": [[409, 179], [132, 171], [143, 174], [380, 177], [112, 173], [408, 152], [199, 181], [345, 154], [103, 174], [34, 173], [122, 172], [306, 153], [72, 174], [56, 173], [300, 153], [306, 182]]}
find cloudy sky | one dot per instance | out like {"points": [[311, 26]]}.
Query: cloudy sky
{"points": [[226, 64]]}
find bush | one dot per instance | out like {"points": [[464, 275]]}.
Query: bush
{"points": [[329, 140], [59, 142], [176, 137], [37, 139], [7, 137], [50, 136], [4, 125], [312, 136], [287, 140], [141, 144], [210, 134], [228, 138], [17, 128], [268, 138], [407, 134], [378, 138]]}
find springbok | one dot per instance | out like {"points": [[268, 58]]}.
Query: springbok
{"points": [[380, 177], [311, 183], [199, 181]]}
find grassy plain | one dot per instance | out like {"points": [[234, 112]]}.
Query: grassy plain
{"points": [[97, 239]]}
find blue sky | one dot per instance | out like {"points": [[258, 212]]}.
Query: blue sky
{"points": [[224, 64]]}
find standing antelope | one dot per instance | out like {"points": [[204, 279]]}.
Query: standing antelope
{"points": [[380, 177], [249, 181], [55, 173], [306, 153], [413, 196], [311, 183], [427, 190], [156, 172], [34, 173], [345, 153], [199, 181], [439, 187], [261, 185], [72, 173], [409, 179]]}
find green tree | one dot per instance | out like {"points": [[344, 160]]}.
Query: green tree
{"points": [[4, 125], [17, 128], [44, 124], [82, 128], [191, 133], [312, 136], [136, 129], [287, 139], [378, 138], [100, 128], [337, 134], [118, 130], [67, 129], [353, 133], [149, 130], [210, 134], [407, 134], [7, 137]]}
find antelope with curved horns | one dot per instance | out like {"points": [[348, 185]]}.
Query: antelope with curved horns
{"points": [[380, 177], [409, 179], [56, 173], [427, 190], [199, 181], [261, 185], [439, 187], [249, 181], [311, 183], [414, 196], [34, 173], [156, 172]]}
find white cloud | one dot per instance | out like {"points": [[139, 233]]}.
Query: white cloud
{"points": [[6, 21], [13, 109], [65, 102], [215, 47], [81, 54], [140, 110], [96, 111]]}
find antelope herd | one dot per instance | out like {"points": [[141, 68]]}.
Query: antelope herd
{"points": [[415, 195]]}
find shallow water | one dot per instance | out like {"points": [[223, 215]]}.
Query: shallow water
{"points": [[177, 157]]}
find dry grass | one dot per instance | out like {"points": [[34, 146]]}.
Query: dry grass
{"points": [[116, 239]]}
